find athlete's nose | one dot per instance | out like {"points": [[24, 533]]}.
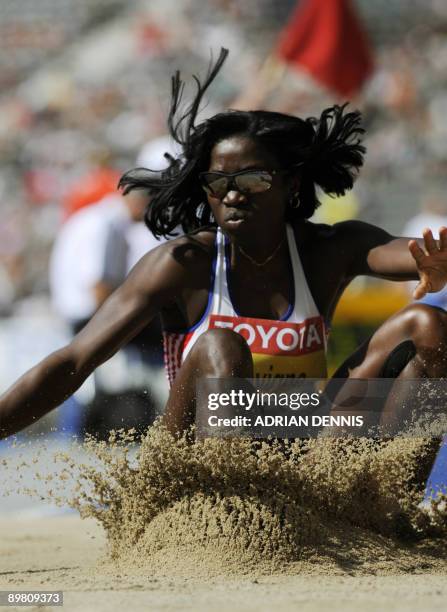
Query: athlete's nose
{"points": [[233, 198]]}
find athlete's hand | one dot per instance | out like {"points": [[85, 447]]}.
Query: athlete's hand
{"points": [[431, 262]]}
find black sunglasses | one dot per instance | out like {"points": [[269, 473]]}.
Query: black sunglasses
{"points": [[218, 184]]}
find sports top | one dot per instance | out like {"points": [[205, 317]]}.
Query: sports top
{"points": [[293, 346]]}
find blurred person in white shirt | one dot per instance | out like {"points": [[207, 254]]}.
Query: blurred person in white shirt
{"points": [[153, 153], [92, 254], [95, 249]]}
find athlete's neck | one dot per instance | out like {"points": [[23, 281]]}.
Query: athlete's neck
{"points": [[259, 250]]}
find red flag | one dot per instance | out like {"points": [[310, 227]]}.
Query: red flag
{"points": [[326, 38]]}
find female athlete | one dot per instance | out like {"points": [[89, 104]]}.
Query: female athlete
{"points": [[251, 288]]}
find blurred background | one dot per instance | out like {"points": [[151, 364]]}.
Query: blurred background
{"points": [[85, 87]]}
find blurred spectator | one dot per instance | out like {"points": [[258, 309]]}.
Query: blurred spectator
{"points": [[152, 155], [106, 92], [90, 259], [97, 183], [433, 214]]}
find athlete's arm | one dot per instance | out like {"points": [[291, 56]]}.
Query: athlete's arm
{"points": [[375, 252], [101, 292], [154, 282]]}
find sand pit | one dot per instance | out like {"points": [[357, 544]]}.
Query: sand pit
{"points": [[61, 553], [231, 525]]}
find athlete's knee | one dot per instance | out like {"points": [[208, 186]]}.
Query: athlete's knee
{"points": [[426, 325], [225, 349], [222, 340]]}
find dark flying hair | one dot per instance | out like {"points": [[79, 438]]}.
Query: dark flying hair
{"points": [[324, 152]]}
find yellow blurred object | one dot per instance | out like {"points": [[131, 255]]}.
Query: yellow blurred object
{"points": [[335, 209], [370, 304]]}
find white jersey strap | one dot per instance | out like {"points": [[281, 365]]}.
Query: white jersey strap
{"points": [[303, 303], [304, 306]]}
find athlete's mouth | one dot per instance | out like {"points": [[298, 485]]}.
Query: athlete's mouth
{"points": [[238, 215]]}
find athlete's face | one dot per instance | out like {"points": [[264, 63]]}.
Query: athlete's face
{"points": [[240, 213]]}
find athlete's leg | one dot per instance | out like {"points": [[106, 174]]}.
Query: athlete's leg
{"points": [[410, 344], [218, 353]]}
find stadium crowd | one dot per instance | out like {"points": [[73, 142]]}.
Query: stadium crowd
{"points": [[80, 104]]}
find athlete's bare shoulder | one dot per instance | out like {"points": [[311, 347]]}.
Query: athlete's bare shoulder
{"points": [[347, 249], [308, 233], [193, 248], [191, 252], [342, 234], [340, 248], [180, 263]]}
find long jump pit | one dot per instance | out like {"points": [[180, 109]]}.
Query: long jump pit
{"points": [[322, 524]]}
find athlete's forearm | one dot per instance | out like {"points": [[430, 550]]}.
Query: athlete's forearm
{"points": [[393, 261], [372, 251], [37, 392]]}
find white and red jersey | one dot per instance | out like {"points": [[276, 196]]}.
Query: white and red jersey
{"points": [[293, 346]]}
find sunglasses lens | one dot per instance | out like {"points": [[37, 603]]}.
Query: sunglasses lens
{"points": [[215, 185], [254, 182], [249, 182]]}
